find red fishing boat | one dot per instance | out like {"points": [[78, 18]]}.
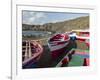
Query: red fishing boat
{"points": [[57, 44], [80, 35], [31, 53]]}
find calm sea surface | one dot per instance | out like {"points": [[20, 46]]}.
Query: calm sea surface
{"points": [[36, 33]]}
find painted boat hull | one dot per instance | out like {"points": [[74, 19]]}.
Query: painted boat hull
{"points": [[35, 51], [58, 47]]}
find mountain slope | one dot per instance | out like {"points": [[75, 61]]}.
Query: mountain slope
{"points": [[78, 23]]}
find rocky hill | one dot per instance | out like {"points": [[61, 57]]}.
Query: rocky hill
{"points": [[78, 23]]}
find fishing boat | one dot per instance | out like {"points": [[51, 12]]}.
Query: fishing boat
{"points": [[80, 35], [75, 57], [83, 35], [31, 53], [57, 44]]}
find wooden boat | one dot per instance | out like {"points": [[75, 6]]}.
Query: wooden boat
{"points": [[31, 53], [80, 35], [75, 57], [57, 44]]}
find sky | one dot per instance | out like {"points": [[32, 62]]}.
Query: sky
{"points": [[39, 18]]}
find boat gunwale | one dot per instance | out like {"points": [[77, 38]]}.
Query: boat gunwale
{"points": [[31, 58], [51, 42]]}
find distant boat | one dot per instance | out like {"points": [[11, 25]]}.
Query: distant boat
{"points": [[57, 44], [31, 53], [81, 35]]}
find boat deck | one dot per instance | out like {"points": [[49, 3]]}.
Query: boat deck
{"points": [[78, 58]]}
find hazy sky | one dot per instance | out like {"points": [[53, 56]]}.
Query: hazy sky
{"points": [[33, 17]]}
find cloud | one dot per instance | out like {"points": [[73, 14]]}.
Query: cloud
{"points": [[36, 17], [30, 17]]}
